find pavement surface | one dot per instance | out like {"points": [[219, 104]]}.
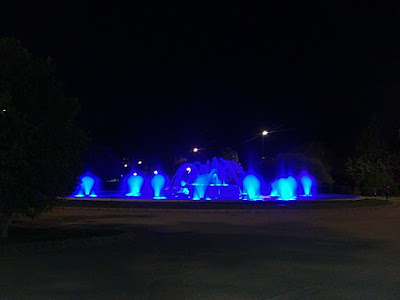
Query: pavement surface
{"points": [[348, 253]]}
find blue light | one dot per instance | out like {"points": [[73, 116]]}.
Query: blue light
{"points": [[157, 183], [87, 187], [307, 184], [287, 188], [135, 184], [252, 187], [274, 189], [200, 186], [217, 179], [284, 188]]}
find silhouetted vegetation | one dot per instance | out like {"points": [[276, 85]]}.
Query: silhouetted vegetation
{"points": [[40, 143], [374, 163]]}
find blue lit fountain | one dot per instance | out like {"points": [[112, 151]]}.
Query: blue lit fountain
{"points": [[251, 188], [218, 179], [134, 184], [157, 184], [88, 186], [287, 188]]}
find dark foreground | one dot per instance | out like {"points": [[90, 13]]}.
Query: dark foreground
{"points": [[337, 253]]}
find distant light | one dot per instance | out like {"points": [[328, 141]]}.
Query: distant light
{"points": [[122, 175], [264, 132], [135, 174], [4, 110], [189, 169], [155, 172], [125, 165], [139, 162], [195, 150]]}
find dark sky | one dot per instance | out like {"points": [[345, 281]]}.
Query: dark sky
{"points": [[158, 76]]}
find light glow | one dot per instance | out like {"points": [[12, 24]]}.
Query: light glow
{"points": [[87, 186], [134, 184]]}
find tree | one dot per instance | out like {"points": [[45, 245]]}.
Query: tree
{"points": [[230, 154], [40, 143], [297, 162], [371, 166]]}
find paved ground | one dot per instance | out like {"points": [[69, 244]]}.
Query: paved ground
{"points": [[350, 253]]}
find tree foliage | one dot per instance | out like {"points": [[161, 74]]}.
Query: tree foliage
{"points": [[371, 167], [230, 154], [40, 143], [298, 162]]}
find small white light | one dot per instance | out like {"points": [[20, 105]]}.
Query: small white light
{"points": [[134, 174], [195, 150], [122, 175], [188, 169], [4, 110], [155, 172], [139, 162], [125, 165], [264, 132]]}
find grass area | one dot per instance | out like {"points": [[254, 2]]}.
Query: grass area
{"points": [[317, 204]]}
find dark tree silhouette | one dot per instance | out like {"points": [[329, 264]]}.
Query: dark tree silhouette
{"points": [[371, 165], [40, 143]]}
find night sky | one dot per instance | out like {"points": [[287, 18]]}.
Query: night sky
{"points": [[166, 76]]}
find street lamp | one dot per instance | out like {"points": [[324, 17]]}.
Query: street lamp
{"points": [[264, 133], [195, 150]]}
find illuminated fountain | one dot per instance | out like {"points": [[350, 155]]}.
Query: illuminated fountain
{"points": [[216, 179], [157, 184], [287, 188], [251, 188], [308, 184], [134, 184], [88, 186]]}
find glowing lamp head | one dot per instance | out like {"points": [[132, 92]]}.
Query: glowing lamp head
{"points": [[139, 162], [264, 133], [195, 150], [135, 174], [155, 172], [188, 169], [4, 110], [125, 165]]}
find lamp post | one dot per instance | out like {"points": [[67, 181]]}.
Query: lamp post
{"points": [[264, 133]]}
